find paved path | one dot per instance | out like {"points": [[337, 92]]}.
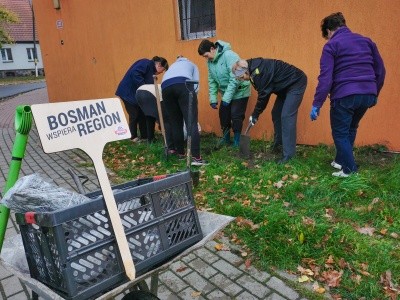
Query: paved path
{"points": [[216, 274], [11, 90]]}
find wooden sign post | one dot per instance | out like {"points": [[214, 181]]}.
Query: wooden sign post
{"points": [[88, 125]]}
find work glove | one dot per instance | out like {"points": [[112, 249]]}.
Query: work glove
{"points": [[253, 120], [214, 105], [225, 103], [314, 113]]}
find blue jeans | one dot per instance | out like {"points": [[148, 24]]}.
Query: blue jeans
{"points": [[346, 113]]}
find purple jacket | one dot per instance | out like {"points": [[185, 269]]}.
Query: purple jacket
{"points": [[350, 64]]}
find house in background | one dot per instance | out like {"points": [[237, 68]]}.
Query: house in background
{"points": [[18, 59]]}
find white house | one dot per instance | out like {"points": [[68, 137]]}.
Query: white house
{"points": [[18, 59]]}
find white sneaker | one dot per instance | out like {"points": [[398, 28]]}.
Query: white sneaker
{"points": [[340, 174], [336, 165]]}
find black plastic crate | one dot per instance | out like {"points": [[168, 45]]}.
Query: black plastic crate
{"points": [[74, 251]]}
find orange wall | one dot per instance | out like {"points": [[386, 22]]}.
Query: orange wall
{"points": [[102, 38]]}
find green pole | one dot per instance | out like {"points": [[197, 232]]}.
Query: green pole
{"points": [[23, 124]]}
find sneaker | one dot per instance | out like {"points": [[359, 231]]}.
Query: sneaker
{"points": [[340, 174], [336, 165], [172, 152], [199, 161], [135, 140]]}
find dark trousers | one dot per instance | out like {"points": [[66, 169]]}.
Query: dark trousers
{"points": [[176, 103], [346, 114], [232, 115], [284, 116], [136, 118]]}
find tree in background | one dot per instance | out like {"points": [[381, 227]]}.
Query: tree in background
{"points": [[6, 17]]}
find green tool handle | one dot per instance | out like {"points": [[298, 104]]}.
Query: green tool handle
{"points": [[23, 124]]}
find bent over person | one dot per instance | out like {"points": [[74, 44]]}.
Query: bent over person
{"points": [[272, 76], [352, 72], [141, 72]]}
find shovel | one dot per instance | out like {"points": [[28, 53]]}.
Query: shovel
{"points": [[244, 146], [190, 85], [160, 116]]}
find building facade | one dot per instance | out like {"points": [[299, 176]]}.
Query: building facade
{"points": [[87, 46]]}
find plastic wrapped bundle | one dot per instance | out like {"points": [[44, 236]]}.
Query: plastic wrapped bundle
{"points": [[33, 194]]}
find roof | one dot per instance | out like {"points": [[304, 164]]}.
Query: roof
{"points": [[23, 30]]}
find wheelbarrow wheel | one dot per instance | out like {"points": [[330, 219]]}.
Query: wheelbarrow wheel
{"points": [[140, 295]]}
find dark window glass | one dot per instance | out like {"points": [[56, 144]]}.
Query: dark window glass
{"points": [[197, 18]]}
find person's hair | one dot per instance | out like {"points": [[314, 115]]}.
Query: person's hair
{"points": [[240, 67], [332, 22], [205, 46], [163, 62]]}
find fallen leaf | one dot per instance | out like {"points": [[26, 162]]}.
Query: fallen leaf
{"points": [[304, 278], [181, 269], [394, 235], [219, 247], [366, 230], [330, 260], [247, 263], [279, 184], [295, 176], [332, 277], [196, 294], [356, 278], [383, 231], [318, 289], [244, 254], [217, 178]]}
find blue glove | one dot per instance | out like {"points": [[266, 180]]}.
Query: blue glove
{"points": [[214, 105], [225, 103], [314, 113], [253, 120]]}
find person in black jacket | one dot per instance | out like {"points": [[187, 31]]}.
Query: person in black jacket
{"points": [[272, 76]]}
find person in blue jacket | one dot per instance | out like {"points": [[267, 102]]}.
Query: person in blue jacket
{"points": [[352, 73], [234, 93], [141, 72]]}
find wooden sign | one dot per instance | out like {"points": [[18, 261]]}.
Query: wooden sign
{"points": [[88, 125]]}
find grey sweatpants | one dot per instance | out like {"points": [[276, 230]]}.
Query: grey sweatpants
{"points": [[284, 116]]}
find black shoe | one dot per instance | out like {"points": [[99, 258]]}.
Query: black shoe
{"points": [[284, 160], [276, 148]]}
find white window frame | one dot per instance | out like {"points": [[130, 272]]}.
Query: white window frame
{"points": [[30, 51], [6, 53]]}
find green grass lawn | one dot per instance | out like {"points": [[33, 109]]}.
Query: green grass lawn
{"points": [[340, 234], [21, 79]]}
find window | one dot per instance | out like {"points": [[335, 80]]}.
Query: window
{"points": [[31, 52], [197, 18], [6, 55]]}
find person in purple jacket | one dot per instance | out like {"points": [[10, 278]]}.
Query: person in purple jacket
{"points": [[352, 73], [141, 72]]}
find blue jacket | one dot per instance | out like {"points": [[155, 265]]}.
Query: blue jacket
{"points": [[350, 64], [141, 72]]}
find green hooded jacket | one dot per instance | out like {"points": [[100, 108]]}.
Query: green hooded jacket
{"points": [[221, 78]]}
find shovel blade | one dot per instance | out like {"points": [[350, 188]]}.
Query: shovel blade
{"points": [[244, 146]]}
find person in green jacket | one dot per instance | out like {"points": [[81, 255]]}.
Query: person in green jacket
{"points": [[235, 94]]}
